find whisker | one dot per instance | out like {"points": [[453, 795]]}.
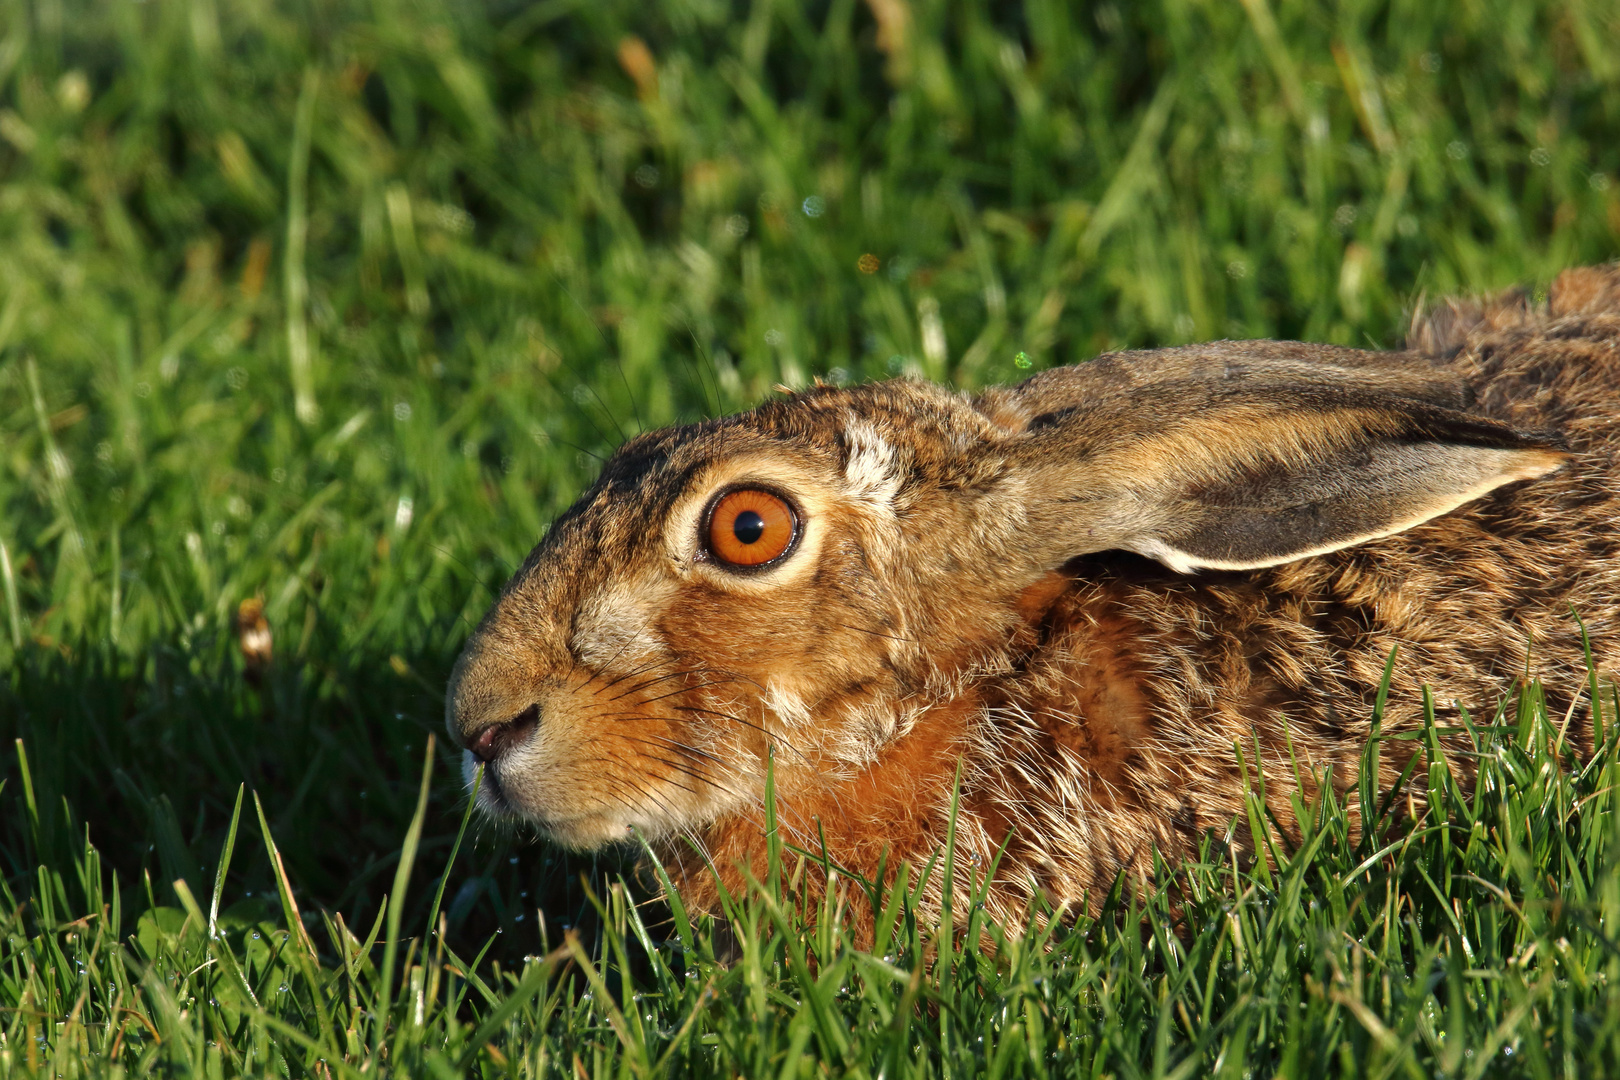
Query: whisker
{"points": [[615, 794], [674, 744], [673, 765], [628, 641], [651, 796], [687, 769], [655, 680], [684, 689], [747, 724], [610, 792], [701, 777], [688, 748], [611, 683], [734, 676], [681, 673]]}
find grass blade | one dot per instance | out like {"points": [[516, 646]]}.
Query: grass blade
{"points": [[225, 862], [466, 816], [396, 897]]}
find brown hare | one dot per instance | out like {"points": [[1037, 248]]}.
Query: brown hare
{"points": [[1075, 594]]}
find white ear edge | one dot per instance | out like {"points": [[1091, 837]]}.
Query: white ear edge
{"points": [[1179, 561], [1520, 465]]}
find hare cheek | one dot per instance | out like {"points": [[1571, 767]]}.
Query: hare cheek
{"points": [[617, 626], [788, 707]]}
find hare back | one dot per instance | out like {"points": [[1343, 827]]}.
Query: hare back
{"points": [[1149, 684]]}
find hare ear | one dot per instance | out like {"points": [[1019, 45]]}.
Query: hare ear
{"points": [[1258, 469]]}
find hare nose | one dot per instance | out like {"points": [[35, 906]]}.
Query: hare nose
{"points": [[497, 739]]}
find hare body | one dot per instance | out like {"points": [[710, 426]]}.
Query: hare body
{"points": [[1077, 595]]}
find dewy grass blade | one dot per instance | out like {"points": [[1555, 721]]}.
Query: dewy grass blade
{"points": [[634, 1049], [28, 797], [1367, 781], [115, 603], [225, 862], [57, 471], [531, 983], [947, 901], [328, 1057], [188, 902], [773, 837], [396, 898], [289, 906], [303, 948], [1591, 682], [677, 907], [466, 816]]}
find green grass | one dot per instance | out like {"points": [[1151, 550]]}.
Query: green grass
{"points": [[337, 304]]}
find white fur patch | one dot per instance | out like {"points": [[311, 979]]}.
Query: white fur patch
{"points": [[788, 707], [615, 628], [864, 730], [873, 470]]}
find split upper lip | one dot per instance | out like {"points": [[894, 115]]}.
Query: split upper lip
{"points": [[490, 787]]}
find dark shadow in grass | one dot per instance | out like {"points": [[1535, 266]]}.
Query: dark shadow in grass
{"points": [[146, 753]]}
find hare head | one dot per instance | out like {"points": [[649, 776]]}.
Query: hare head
{"points": [[858, 583]]}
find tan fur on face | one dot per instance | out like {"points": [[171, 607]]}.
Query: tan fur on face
{"points": [[964, 600]]}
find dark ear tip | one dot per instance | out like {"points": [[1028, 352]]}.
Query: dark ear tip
{"points": [[1551, 441], [1445, 425], [1531, 440]]}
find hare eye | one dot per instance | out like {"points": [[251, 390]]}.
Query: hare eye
{"points": [[750, 527]]}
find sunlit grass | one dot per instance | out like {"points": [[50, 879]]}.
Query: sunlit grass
{"points": [[335, 305], [1467, 935]]}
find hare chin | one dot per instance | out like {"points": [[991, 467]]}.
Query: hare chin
{"points": [[582, 832], [591, 831], [579, 832]]}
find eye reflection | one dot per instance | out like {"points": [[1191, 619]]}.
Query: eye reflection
{"points": [[748, 527]]}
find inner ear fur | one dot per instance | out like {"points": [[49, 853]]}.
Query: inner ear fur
{"points": [[1234, 461]]}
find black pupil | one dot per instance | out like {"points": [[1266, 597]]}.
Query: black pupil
{"points": [[748, 527]]}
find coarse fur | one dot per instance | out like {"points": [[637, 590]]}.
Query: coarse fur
{"points": [[1078, 595]]}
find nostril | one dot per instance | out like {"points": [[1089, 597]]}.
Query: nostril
{"points": [[483, 747], [496, 739]]}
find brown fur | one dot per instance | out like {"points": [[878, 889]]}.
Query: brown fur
{"points": [[964, 598]]}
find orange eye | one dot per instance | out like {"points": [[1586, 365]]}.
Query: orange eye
{"points": [[750, 527]]}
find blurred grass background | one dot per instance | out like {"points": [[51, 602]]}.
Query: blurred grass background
{"points": [[336, 304]]}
